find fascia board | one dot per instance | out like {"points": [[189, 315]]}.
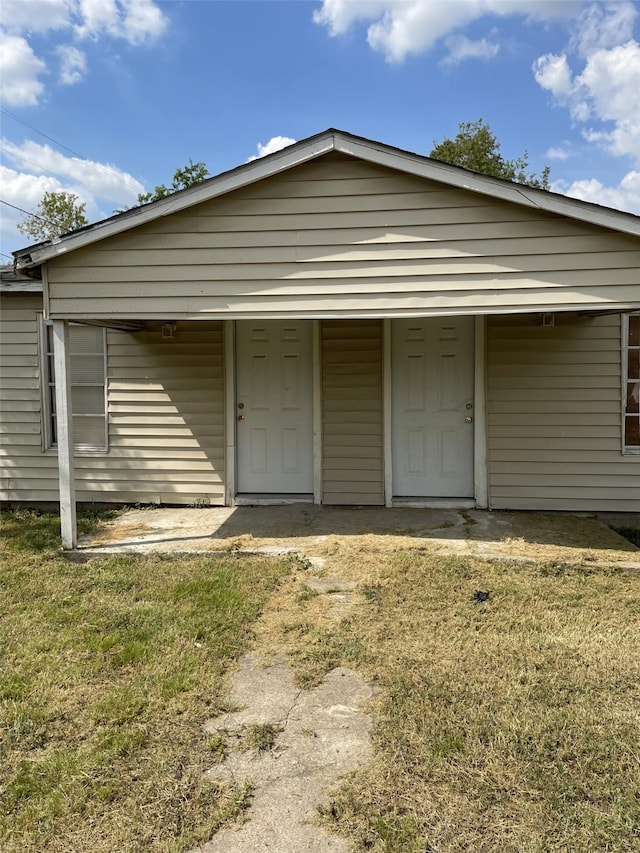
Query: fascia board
{"points": [[515, 193], [323, 143], [239, 177]]}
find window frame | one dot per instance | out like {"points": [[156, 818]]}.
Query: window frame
{"points": [[47, 391], [627, 449]]}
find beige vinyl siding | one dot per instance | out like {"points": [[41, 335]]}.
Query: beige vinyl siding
{"points": [[343, 237], [165, 416], [26, 473], [554, 416], [352, 444]]}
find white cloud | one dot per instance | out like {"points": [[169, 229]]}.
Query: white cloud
{"points": [[610, 84], [607, 91], [20, 70], [276, 143], [603, 27], [23, 191], [36, 169], [552, 73], [557, 154], [96, 180], [339, 15], [35, 16], [460, 48], [73, 64], [397, 28], [626, 196], [135, 21]]}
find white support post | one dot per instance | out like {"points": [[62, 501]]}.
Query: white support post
{"points": [[64, 430], [387, 412], [481, 487], [317, 414], [230, 412]]}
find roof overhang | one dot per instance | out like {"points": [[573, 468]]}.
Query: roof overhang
{"points": [[310, 149], [12, 282]]}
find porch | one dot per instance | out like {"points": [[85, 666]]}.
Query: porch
{"points": [[320, 533]]}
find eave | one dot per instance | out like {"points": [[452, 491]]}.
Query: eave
{"points": [[310, 149]]}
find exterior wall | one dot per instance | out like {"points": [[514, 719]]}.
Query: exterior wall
{"points": [[341, 237], [352, 440], [165, 405], [554, 416], [26, 473], [166, 417]]}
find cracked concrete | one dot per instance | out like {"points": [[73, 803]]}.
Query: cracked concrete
{"points": [[324, 733], [316, 531]]}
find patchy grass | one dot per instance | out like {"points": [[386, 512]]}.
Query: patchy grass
{"points": [[108, 669], [506, 724]]}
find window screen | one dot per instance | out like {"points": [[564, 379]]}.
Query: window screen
{"points": [[87, 356]]}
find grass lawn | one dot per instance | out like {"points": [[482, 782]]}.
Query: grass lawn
{"points": [[108, 670], [510, 724], [504, 722]]}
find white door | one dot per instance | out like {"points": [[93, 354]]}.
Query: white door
{"points": [[274, 435], [432, 407]]}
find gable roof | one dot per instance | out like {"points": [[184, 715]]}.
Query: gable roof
{"points": [[11, 282], [310, 149]]}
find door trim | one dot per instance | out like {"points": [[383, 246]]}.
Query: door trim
{"points": [[480, 432], [231, 496], [480, 479]]}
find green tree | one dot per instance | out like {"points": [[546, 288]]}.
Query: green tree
{"points": [[476, 147], [192, 173], [57, 213]]}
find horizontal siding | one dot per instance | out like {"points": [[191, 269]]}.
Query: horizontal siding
{"points": [[166, 416], [26, 473], [341, 237], [352, 445], [554, 416], [165, 405]]}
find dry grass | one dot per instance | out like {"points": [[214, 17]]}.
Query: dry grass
{"points": [[109, 669], [511, 724]]}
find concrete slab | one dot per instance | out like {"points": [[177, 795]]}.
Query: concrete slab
{"points": [[322, 734], [317, 532]]}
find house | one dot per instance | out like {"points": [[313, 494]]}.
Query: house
{"points": [[340, 322]]}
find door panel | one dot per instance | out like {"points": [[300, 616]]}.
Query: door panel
{"points": [[274, 407], [432, 395]]}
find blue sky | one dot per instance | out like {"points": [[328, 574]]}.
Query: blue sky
{"points": [[106, 98]]}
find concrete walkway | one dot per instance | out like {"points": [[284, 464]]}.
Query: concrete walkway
{"points": [[309, 529]]}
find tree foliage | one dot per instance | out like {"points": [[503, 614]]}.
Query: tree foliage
{"points": [[57, 213], [192, 173], [476, 147]]}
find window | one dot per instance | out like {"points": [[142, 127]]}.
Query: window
{"points": [[87, 350], [631, 365]]}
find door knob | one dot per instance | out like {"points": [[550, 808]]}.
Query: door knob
{"points": [[240, 417], [468, 419]]}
